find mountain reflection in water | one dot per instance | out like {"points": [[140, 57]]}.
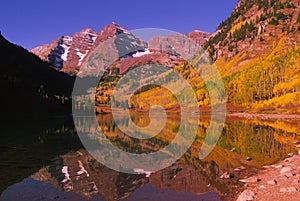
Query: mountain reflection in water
{"points": [[58, 168]]}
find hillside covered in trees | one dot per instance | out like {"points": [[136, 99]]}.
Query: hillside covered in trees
{"points": [[257, 51]]}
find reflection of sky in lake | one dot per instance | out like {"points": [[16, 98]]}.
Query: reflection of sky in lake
{"points": [[32, 190]]}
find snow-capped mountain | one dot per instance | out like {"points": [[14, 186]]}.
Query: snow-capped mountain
{"points": [[54, 52], [68, 53]]}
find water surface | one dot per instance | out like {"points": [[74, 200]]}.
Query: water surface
{"points": [[45, 160]]}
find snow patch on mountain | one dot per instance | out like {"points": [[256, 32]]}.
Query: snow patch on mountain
{"points": [[66, 51], [139, 54], [142, 171], [81, 56]]}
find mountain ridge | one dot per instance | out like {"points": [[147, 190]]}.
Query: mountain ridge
{"points": [[62, 53]]}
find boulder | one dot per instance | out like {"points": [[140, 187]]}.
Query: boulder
{"points": [[246, 195], [272, 182], [287, 171]]}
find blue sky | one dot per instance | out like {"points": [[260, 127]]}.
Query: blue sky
{"points": [[35, 22]]}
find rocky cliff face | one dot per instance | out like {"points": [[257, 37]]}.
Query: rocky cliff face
{"points": [[67, 52], [82, 42], [55, 52]]}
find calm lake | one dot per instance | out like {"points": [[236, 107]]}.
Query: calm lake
{"points": [[45, 160]]}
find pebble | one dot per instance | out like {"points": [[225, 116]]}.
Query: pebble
{"points": [[279, 166], [262, 187], [291, 154]]}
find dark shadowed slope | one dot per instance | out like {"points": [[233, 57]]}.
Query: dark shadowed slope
{"points": [[29, 87]]}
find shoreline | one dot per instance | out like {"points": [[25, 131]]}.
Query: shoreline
{"points": [[280, 181], [264, 116]]}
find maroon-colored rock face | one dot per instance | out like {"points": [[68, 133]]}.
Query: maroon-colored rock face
{"points": [[109, 31], [82, 42], [67, 52], [142, 58], [199, 37]]}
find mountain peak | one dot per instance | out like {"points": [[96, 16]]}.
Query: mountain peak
{"points": [[114, 27], [87, 30], [199, 37]]}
